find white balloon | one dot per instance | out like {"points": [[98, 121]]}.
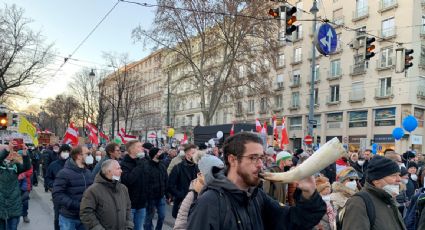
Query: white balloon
{"points": [[211, 142], [219, 134]]}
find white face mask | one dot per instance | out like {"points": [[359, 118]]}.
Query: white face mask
{"points": [[414, 177], [360, 162], [351, 185], [404, 181], [98, 158], [140, 155], [64, 155], [392, 189], [89, 160], [6, 161], [326, 198], [117, 178]]}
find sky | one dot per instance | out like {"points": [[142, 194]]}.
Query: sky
{"points": [[67, 23]]}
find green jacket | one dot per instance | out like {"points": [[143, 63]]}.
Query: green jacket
{"points": [[387, 215], [10, 194]]}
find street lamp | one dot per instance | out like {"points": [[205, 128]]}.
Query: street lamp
{"points": [[92, 74]]}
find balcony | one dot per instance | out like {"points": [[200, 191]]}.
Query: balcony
{"points": [[297, 59], [333, 100], [358, 69], [238, 114], [421, 92], [294, 105], [388, 33], [360, 13], [278, 86], [384, 93], [338, 21], [316, 103], [334, 75], [295, 84], [316, 79], [386, 64], [385, 5], [356, 96], [277, 109]]}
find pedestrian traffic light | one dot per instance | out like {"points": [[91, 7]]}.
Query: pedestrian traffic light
{"points": [[15, 120], [369, 48], [290, 19], [3, 121], [407, 58]]}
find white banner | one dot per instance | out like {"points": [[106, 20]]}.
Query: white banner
{"points": [[416, 140]]}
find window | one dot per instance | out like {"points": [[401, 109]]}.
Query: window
{"points": [[279, 81], [278, 101], [357, 91], [334, 97], [296, 77], [334, 120], [225, 116], [251, 107], [297, 54], [385, 117], [295, 123], [298, 33], [281, 61], [317, 118], [387, 3], [239, 107], [357, 119], [423, 25], [295, 99], [198, 120], [316, 96], [386, 57], [361, 8], [336, 68], [316, 73], [388, 27], [263, 104], [384, 87], [189, 120], [419, 114], [338, 17], [300, 10]]}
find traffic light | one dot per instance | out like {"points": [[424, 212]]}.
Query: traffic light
{"points": [[3, 121], [407, 58], [369, 48], [290, 19], [275, 13], [15, 120]]}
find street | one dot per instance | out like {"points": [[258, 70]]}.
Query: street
{"points": [[41, 211]]}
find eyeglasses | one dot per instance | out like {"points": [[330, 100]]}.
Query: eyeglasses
{"points": [[352, 179], [255, 158]]}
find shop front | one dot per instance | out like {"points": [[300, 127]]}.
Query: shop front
{"points": [[354, 142], [384, 141]]}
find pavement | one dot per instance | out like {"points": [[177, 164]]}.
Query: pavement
{"points": [[41, 211]]}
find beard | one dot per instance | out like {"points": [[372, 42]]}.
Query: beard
{"points": [[249, 179]]}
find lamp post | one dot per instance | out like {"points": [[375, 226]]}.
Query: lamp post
{"points": [[314, 11]]}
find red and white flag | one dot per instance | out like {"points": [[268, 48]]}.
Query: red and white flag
{"points": [[184, 140], [264, 129], [125, 137], [93, 133], [104, 136], [232, 130], [71, 135], [285, 139], [257, 125], [275, 133]]}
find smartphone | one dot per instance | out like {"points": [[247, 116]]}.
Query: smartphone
{"points": [[18, 144]]}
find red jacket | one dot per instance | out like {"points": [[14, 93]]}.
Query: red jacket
{"points": [[26, 176]]}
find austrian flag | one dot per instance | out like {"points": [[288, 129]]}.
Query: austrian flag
{"points": [[71, 135], [125, 137], [93, 133]]}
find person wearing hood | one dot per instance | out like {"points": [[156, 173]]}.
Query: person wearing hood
{"points": [[412, 183], [233, 200], [382, 185], [345, 187], [106, 203], [181, 176], [156, 181], [69, 186]]}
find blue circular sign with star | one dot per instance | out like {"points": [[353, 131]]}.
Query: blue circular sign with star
{"points": [[326, 39]]}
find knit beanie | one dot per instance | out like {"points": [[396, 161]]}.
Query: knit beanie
{"points": [[322, 183], [347, 173], [207, 165], [147, 145], [380, 167], [298, 152], [64, 148], [153, 152], [411, 164], [283, 155]]}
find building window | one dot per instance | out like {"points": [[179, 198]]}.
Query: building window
{"points": [[334, 97], [296, 77], [295, 123], [338, 17], [239, 107], [361, 8], [334, 120], [419, 114], [336, 68], [386, 59], [423, 25], [388, 28], [317, 118], [278, 101], [198, 119], [316, 96], [357, 119], [298, 54], [281, 61], [295, 99], [385, 117], [384, 87], [263, 104], [251, 106], [298, 33], [316, 73], [279, 81]]}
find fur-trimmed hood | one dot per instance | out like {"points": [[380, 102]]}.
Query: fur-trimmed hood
{"points": [[340, 194]]}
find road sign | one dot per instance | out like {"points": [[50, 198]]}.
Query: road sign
{"points": [[308, 140], [326, 39], [313, 122]]}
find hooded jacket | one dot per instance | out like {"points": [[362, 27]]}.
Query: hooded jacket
{"points": [[222, 205], [68, 188], [340, 195], [134, 178], [387, 215], [106, 205]]}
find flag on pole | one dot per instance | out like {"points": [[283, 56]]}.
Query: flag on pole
{"points": [[264, 129], [125, 137], [257, 125], [26, 127], [232, 130], [284, 140], [275, 133], [184, 140], [71, 135], [104, 136], [93, 133]]}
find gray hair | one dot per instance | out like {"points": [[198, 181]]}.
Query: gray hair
{"points": [[106, 165]]}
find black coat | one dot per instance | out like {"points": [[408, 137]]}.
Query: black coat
{"points": [[52, 171], [133, 177], [156, 179], [330, 172], [68, 188]]}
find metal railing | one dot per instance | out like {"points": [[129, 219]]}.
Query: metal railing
{"points": [[388, 32], [358, 69], [332, 75], [384, 92], [361, 12], [333, 99], [384, 65], [358, 95], [387, 4]]}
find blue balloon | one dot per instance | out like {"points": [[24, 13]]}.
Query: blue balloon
{"points": [[398, 133], [374, 148], [410, 123]]}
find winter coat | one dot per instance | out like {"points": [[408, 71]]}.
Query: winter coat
{"points": [[68, 188], [182, 216], [175, 161], [156, 180], [25, 180], [328, 221], [224, 206], [411, 187], [360, 171], [339, 196], [52, 171], [330, 172], [133, 176], [10, 193], [106, 205], [387, 215]]}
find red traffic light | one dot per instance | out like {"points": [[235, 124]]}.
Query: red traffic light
{"points": [[274, 13]]}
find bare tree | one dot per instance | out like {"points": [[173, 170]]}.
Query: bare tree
{"points": [[23, 55], [213, 38], [129, 107]]}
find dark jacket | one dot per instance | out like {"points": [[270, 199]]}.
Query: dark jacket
{"points": [[411, 187], [106, 205], [52, 171], [134, 178], [68, 188], [156, 179], [224, 206], [10, 193], [387, 215], [330, 172], [360, 169], [179, 182]]}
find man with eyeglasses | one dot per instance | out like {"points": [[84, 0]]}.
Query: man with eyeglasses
{"points": [[112, 152], [234, 201]]}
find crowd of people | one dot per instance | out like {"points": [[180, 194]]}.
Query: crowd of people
{"points": [[123, 187]]}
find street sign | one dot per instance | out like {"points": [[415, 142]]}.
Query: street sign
{"points": [[326, 39], [308, 140], [363, 144], [313, 122]]}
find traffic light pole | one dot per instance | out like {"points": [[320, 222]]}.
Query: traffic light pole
{"points": [[314, 11]]}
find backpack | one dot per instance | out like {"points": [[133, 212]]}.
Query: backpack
{"points": [[370, 210], [411, 219]]}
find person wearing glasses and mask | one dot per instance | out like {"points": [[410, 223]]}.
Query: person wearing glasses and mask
{"points": [[233, 200], [345, 187], [112, 152]]}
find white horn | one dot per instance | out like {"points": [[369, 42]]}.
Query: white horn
{"points": [[324, 156]]}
